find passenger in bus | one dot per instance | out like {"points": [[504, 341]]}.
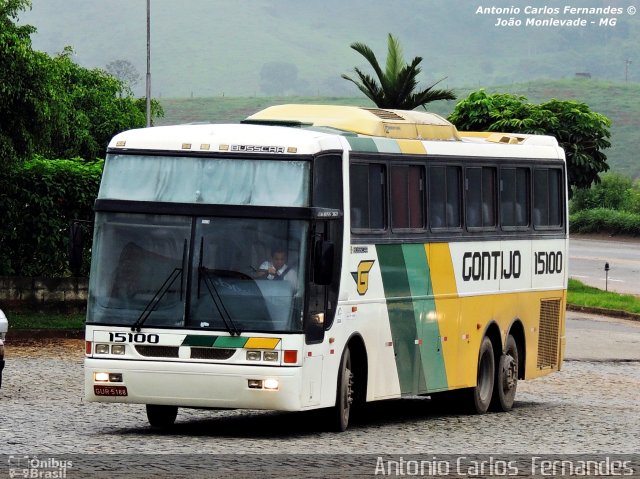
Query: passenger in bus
{"points": [[277, 268]]}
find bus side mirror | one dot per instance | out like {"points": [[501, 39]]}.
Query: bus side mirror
{"points": [[323, 262], [76, 248]]}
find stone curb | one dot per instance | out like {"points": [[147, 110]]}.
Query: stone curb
{"points": [[612, 313], [24, 335]]}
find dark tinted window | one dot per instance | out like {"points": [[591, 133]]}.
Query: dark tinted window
{"points": [[514, 197], [444, 196], [407, 197], [547, 198], [367, 196], [480, 197]]}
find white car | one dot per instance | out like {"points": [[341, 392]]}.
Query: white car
{"points": [[4, 326]]}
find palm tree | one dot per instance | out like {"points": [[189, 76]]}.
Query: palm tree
{"points": [[396, 86]]}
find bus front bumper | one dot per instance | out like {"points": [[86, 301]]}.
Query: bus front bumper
{"points": [[193, 384]]}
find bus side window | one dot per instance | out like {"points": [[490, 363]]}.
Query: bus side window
{"points": [[368, 193], [480, 184], [514, 197], [547, 191], [407, 197], [444, 196]]}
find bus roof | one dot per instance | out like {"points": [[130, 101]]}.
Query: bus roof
{"points": [[330, 127], [203, 138], [402, 124]]}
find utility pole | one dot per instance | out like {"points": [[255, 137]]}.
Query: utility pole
{"points": [[626, 70], [148, 92]]}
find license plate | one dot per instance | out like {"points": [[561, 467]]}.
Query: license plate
{"points": [[110, 390]]}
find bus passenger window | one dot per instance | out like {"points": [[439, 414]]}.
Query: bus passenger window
{"points": [[368, 193], [444, 196], [514, 197], [481, 197], [407, 185], [547, 188]]}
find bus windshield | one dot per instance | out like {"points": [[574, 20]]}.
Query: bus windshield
{"points": [[234, 274], [264, 182]]}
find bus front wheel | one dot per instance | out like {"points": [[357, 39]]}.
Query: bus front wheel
{"points": [[161, 416], [344, 394]]}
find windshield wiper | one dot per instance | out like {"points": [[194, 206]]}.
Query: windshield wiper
{"points": [[203, 272], [162, 290]]}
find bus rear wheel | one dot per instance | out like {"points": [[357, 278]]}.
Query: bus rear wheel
{"points": [[161, 417], [344, 394], [479, 397], [506, 381]]}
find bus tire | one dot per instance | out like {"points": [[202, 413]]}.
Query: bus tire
{"points": [[161, 417], [344, 393], [479, 397], [506, 381]]}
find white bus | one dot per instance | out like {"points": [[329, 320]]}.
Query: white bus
{"points": [[322, 257]]}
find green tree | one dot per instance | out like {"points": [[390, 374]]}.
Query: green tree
{"points": [[582, 133], [52, 106], [615, 192], [89, 109], [396, 86], [24, 90]]}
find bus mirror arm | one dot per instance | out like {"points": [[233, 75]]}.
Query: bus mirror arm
{"points": [[323, 262]]}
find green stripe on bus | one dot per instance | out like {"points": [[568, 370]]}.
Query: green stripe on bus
{"points": [[401, 318], [424, 307], [230, 342], [199, 341], [385, 145], [362, 144]]}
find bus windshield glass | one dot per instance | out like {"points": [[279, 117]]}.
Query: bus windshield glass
{"points": [[265, 182], [234, 274]]}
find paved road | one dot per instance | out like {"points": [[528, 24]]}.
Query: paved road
{"points": [[588, 255], [591, 407]]}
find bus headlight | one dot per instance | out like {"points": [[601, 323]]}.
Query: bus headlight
{"points": [[270, 356], [117, 349], [102, 349], [253, 356], [101, 377]]}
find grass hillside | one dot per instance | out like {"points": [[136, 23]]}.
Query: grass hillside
{"points": [[618, 101], [207, 48]]}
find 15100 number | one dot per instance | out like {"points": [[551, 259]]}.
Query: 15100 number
{"points": [[134, 338], [548, 262]]}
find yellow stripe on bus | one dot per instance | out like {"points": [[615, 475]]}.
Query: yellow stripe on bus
{"points": [[261, 343], [411, 147]]}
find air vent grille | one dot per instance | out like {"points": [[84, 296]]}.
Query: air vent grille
{"points": [[385, 114], [549, 333], [211, 353], [157, 351]]}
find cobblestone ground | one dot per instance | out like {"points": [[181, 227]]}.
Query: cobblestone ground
{"points": [[591, 407]]}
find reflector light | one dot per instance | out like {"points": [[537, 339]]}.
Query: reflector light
{"points": [[291, 356], [87, 347]]}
